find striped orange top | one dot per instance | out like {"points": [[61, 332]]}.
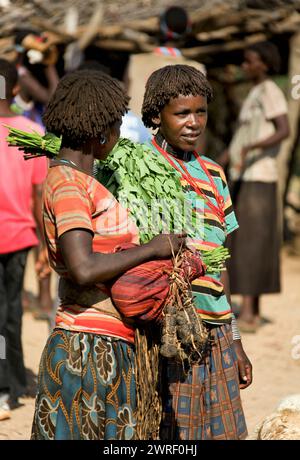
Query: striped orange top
{"points": [[75, 200]]}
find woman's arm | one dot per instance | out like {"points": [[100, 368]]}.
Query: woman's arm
{"points": [[42, 264], [282, 131], [35, 89], [225, 282], [37, 198], [52, 79], [87, 267]]}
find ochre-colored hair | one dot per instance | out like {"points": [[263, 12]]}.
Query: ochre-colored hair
{"points": [[84, 106], [170, 82]]}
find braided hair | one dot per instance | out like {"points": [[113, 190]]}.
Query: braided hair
{"points": [[85, 105], [170, 82]]}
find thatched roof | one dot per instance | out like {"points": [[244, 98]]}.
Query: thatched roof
{"points": [[115, 11], [132, 26]]}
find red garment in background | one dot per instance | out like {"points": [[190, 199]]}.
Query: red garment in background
{"points": [[17, 177]]}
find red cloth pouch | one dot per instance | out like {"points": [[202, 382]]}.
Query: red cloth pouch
{"points": [[142, 291]]}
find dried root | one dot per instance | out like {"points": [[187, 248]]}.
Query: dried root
{"points": [[184, 336], [168, 347]]}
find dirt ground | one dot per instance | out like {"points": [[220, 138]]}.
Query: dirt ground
{"points": [[274, 351]]}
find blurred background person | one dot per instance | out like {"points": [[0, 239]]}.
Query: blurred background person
{"points": [[174, 28], [20, 214], [254, 266], [37, 72], [38, 77]]}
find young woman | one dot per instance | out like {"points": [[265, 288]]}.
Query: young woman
{"points": [[254, 267], [204, 403], [86, 386]]}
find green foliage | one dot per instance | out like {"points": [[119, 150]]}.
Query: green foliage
{"points": [[149, 186]]}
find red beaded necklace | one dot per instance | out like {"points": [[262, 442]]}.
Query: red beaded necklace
{"points": [[219, 209]]}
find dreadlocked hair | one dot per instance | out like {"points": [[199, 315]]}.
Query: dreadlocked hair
{"points": [[85, 105], [170, 82]]}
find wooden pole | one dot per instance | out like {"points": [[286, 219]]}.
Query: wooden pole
{"points": [[198, 51], [293, 111], [291, 163], [287, 146]]}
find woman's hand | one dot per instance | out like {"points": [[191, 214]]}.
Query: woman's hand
{"points": [[244, 365], [165, 246], [244, 152]]}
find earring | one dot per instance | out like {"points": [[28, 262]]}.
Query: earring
{"points": [[102, 140]]}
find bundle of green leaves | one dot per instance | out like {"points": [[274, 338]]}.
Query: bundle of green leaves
{"points": [[147, 185]]}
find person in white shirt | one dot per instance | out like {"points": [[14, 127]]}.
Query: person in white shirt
{"points": [[262, 126]]}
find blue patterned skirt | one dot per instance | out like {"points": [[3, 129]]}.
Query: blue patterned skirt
{"points": [[86, 388], [205, 403]]}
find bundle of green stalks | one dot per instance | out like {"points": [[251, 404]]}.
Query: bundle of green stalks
{"points": [[142, 181], [33, 144]]}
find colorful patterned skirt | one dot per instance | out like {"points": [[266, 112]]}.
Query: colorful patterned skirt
{"points": [[86, 388], [205, 404]]}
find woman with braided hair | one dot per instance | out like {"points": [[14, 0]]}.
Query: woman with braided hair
{"points": [[202, 402], [86, 385]]}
